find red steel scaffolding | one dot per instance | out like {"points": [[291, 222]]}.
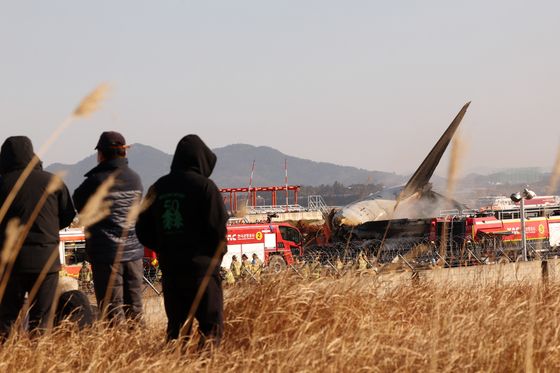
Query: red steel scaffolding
{"points": [[232, 194]]}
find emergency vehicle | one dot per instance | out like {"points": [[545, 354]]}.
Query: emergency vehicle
{"points": [[542, 222], [276, 244], [72, 250], [509, 230], [499, 231]]}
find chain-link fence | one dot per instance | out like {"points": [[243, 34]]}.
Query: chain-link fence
{"points": [[423, 252]]}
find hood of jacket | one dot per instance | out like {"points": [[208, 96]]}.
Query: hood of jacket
{"points": [[16, 153], [192, 154]]}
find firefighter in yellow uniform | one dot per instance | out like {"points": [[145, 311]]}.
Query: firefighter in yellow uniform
{"points": [[362, 262], [230, 279], [256, 265], [235, 267], [245, 267], [85, 277], [339, 266], [303, 268], [316, 267]]}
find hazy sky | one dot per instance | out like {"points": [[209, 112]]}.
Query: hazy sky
{"points": [[371, 84]]}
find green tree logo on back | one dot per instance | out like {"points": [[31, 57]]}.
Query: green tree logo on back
{"points": [[172, 218]]}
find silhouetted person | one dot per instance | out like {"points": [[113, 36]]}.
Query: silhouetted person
{"points": [[40, 247], [106, 237], [186, 225]]}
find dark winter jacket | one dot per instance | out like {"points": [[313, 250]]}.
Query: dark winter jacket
{"points": [[56, 213], [186, 220], [104, 238]]}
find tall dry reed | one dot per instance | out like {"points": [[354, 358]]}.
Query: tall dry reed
{"points": [[97, 207], [131, 217], [555, 174], [87, 106], [12, 247], [456, 156], [334, 325], [15, 236]]}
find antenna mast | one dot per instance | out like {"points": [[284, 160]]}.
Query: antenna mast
{"points": [[286, 180], [250, 183]]}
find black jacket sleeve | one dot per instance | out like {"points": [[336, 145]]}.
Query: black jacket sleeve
{"points": [[66, 211], [146, 222], [217, 216], [84, 191]]}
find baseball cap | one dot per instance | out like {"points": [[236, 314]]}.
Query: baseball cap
{"points": [[111, 140]]}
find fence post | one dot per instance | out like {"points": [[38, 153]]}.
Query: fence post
{"points": [[544, 271]]}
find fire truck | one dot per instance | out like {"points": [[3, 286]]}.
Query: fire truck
{"points": [[276, 244], [72, 250], [455, 237], [498, 232], [542, 228], [542, 223]]}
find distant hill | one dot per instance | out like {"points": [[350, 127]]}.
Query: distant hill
{"points": [[521, 175], [235, 161], [234, 168], [149, 162]]}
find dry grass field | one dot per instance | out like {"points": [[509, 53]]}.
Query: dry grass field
{"points": [[330, 325]]}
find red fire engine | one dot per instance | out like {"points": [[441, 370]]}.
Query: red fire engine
{"points": [[72, 249], [500, 230], [509, 230], [276, 244]]}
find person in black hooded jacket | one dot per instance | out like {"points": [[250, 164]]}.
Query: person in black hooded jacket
{"points": [[41, 242], [115, 232], [185, 224]]}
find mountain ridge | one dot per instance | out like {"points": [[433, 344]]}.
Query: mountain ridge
{"points": [[233, 168]]}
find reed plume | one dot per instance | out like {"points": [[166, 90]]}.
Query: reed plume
{"points": [[13, 230], [457, 153], [555, 175], [55, 183], [92, 102], [97, 208], [146, 203], [243, 210], [88, 105]]}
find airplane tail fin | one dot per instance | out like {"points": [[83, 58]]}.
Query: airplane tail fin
{"points": [[424, 173]]}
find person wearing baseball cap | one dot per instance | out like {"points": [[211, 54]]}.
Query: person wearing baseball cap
{"points": [[111, 140], [115, 233]]}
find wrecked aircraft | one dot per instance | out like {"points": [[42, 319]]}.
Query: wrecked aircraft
{"points": [[401, 205]]}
